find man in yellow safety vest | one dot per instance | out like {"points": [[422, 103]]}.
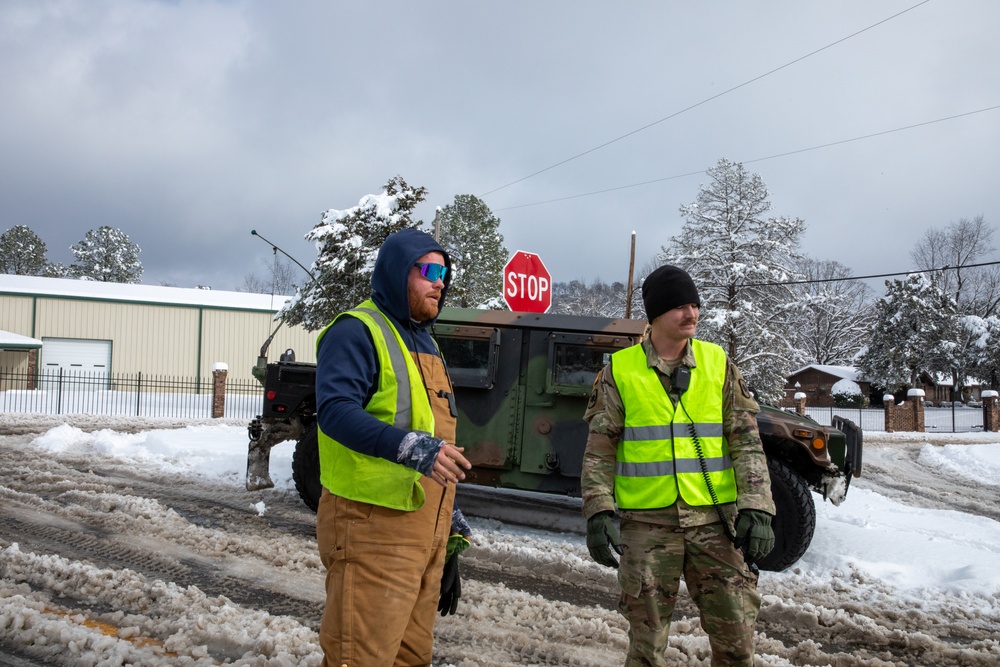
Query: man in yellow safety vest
{"points": [[673, 444], [388, 530]]}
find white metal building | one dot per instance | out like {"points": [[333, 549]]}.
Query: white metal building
{"points": [[161, 331]]}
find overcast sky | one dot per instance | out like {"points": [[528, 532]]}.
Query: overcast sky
{"points": [[187, 124]]}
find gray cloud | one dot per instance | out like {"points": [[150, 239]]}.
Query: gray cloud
{"points": [[187, 124]]}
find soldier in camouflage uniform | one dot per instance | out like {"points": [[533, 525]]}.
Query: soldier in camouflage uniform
{"points": [[642, 456]]}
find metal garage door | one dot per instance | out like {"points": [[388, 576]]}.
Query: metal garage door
{"points": [[76, 355]]}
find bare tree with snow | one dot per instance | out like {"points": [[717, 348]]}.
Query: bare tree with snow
{"points": [[837, 313], [470, 233], [106, 255], [598, 298], [281, 277], [975, 289], [738, 258]]}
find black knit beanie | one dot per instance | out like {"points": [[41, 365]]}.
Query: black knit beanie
{"points": [[665, 288]]}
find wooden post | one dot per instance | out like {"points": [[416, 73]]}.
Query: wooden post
{"points": [[631, 270]]}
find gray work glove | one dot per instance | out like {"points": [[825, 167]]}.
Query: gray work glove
{"points": [[419, 451], [754, 534], [459, 525], [602, 534]]}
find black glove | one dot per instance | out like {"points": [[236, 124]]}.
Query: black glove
{"points": [[754, 534], [451, 586], [601, 533]]}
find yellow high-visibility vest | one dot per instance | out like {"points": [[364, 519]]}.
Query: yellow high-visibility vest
{"points": [[658, 456], [401, 400]]}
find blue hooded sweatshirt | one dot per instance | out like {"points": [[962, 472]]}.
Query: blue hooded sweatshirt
{"points": [[347, 366]]}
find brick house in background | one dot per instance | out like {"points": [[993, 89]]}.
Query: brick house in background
{"points": [[937, 388], [816, 381]]}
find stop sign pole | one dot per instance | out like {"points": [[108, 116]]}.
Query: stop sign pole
{"points": [[527, 284]]}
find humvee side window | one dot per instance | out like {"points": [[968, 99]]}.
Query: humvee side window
{"points": [[470, 354], [577, 365], [576, 359]]}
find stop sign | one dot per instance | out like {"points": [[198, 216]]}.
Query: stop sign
{"points": [[527, 285]]}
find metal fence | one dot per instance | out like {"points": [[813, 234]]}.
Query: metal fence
{"points": [[953, 419], [123, 395], [61, 392]]}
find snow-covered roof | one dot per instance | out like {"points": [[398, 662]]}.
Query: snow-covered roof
{"points": [[844, 372], [89, 289], [13, 341]]}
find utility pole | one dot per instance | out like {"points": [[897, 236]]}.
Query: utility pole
{"points": [[631, 269]]}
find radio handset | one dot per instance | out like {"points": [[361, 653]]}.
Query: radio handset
{"points": [[680, 380]]}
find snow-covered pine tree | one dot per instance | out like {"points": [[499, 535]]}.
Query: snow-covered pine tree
{"points": [[347, 244], [22, 252], [107, 255], [914, 332], [980, 340], [470, 233], [974, 355], [735, 256]]}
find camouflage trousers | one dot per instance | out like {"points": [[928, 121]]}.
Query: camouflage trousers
{"points": [[720, 583]]}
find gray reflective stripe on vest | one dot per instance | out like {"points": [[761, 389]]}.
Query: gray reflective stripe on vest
{"points": [[703, 430], [668, 468], [403, 406]]}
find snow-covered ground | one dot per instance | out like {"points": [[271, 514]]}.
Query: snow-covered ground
{"points": [[131, 542]]}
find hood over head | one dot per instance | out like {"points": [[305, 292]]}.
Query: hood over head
{"points": [[390, 278]]}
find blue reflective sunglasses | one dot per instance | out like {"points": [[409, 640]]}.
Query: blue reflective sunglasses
{"points": [[433, 272]]}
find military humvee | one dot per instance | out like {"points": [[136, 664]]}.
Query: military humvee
{"points": [[522, 382]]}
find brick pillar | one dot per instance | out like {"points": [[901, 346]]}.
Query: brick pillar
{"points": [[800, 402], [915, 397], [991, 410], [889, 405], [32, 368], [219, 373]]}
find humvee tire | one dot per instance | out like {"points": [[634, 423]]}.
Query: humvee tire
{"points": [[305, 468], [795, 518]]}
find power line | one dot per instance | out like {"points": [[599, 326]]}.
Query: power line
{"points": [[875, 134], [759, 159], [879, 275], [706, 100]]}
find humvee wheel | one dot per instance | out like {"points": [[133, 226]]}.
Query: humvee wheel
{"points": [[305, 468], [795, 520]]}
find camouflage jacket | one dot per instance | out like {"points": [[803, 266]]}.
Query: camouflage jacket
{"points": [[606, 416]]}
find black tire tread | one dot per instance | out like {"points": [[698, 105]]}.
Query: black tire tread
{"points": [[795, 521], [305, 468]]}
